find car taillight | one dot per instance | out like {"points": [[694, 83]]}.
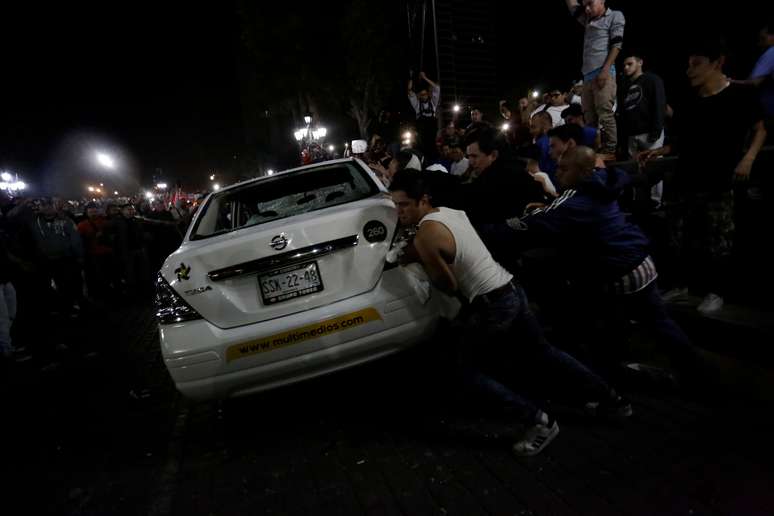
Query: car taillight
{"points": [[170, 307]]}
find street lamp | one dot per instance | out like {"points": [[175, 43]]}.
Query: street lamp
{"points": [[535, 94], [90, 188], [456, 108], [309, 135], [106, 160], [269, 172], [161, 186], [115, 193], [212, 177], [506, 126], [331, 148], [216, 187], [6, 177]]}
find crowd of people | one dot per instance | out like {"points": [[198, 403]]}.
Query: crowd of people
{"points": [[68, 259], [530, 204], [621, 118]]}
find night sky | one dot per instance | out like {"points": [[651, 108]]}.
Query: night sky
{"points": [[158, 84], [155, 85]]}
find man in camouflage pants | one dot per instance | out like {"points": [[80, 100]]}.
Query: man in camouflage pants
{"points": [[712, 157]]}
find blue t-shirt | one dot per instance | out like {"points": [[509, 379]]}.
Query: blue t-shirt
{"points": [[765, 68], [589, 136], [545, 162]]}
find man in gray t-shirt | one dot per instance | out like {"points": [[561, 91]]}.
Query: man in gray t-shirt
{"points": [[603, 39]]}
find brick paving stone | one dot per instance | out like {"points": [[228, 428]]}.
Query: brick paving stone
{"points": [[387, 447]]}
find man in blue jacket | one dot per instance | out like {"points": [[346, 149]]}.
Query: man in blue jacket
{"points": [[603, 257]]}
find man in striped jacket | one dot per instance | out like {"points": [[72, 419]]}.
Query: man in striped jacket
{"points": [[604, 258]]}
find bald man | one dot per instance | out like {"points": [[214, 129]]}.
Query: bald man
{"points": [[604, 257]]}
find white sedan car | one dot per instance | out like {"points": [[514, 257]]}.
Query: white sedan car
{"points": [[284, 278]]}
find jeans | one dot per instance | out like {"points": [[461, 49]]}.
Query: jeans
{"points": [[647, 308], [66, 273], [601, 319], [500, 337], [7, 315]]}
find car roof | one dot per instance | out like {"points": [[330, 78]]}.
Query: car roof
{"points": [[296, 169]]}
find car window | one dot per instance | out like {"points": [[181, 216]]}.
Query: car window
{"points": [[282, 196]]}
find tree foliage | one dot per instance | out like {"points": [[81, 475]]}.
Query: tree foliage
{"points": [[341, 59]]}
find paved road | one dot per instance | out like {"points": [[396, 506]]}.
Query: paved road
{"points": [[106, 433]]}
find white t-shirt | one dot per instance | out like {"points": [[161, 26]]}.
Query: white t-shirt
{"points": [[474, 268], [554, 111], [459, 167]]}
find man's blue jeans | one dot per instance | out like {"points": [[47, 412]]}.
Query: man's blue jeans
{"points": [[498, 338], [7, 315]]}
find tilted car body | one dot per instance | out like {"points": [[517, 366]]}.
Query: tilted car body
{"points": [[284, 278]]}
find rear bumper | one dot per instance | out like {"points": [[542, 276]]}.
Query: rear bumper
{"points": [[197, 355]]}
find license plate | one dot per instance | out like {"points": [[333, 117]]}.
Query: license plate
{"points": [[289, 283]]}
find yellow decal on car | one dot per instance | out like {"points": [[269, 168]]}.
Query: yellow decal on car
{"points": [[295, 336]]}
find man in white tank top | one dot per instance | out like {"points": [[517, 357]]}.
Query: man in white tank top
{"points": [[497, 332]]}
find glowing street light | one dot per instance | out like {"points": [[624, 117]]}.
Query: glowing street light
{"points": [[506, 126], [456, 108], [102, 184], [161, 186], [98, 190], [212, 177], [331, 148], [535, 94], [308, 118], [18, 185], [269, 172], [216, 187], [90, 188], [149, 196], [6, 177], [106, 160], [115, 193], [407, 135]]}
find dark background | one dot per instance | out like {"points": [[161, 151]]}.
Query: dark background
{"points": [[179, 90]]}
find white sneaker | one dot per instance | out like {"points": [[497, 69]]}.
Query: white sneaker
{"points": [[536, 439], [711, 303], [674, 294]]}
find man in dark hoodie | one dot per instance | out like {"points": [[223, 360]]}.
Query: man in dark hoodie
{"points": [[604, 257], [60, 253]]}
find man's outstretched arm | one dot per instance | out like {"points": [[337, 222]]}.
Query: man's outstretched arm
{"points": [[428, 242]]}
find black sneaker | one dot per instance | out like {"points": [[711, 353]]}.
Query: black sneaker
{"points": [[613, 407]]}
